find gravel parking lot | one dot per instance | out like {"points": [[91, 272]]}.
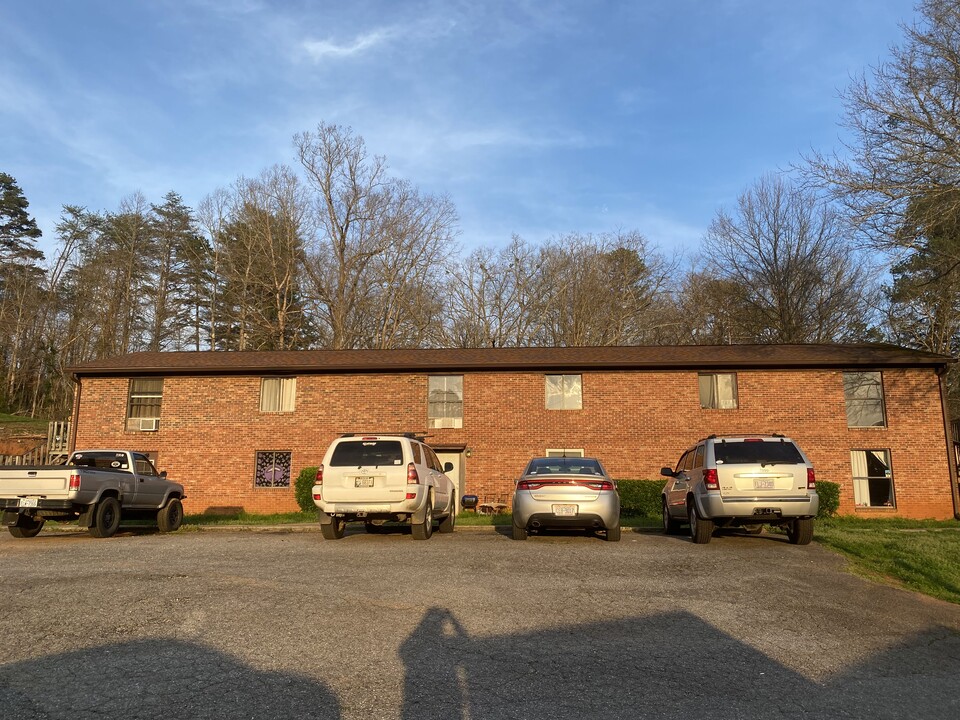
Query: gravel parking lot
{"points": [[281, 624]]}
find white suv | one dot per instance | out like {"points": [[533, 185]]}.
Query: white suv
{"points": [[380, 478], [741, 481]]}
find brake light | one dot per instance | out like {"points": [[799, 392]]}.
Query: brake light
{"points": [[412, 477], [811, 479], [319, 479], [529, 485], [74, 482], [710, 480]]}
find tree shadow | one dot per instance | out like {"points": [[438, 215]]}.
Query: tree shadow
{"points": [[156, 679], [672, 665]]}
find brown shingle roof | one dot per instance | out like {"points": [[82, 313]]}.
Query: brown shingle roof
{"points": [[670, 357]]}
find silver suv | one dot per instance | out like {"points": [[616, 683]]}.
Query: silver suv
{"points": [[377, 478], [741, 481]]}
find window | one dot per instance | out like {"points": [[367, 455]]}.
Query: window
{"points": [[273, 469], [278, 394], [698, 457], [872, 478], [564, 452], [718, 391], [355, 453], [143, 403], [564, 392], [863, 393], [445, 401], [143, 465]]}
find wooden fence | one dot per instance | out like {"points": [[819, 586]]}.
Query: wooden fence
{"points": [[52, 451]]}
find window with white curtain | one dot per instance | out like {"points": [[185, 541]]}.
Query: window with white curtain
{"points": [[278, 394], [872, 478], [564, 392], [863, 394], [445, 401], [718, 391]]}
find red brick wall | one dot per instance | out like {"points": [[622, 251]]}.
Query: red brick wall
{"points": [[635, 422]]}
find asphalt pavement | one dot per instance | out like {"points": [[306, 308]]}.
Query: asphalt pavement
{"points": [[278, 623]]}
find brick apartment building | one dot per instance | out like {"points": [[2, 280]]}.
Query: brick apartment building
{"points": [[237, 427]]}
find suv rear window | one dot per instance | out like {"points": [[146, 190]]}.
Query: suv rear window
{"points": [[367, 452], [757, 453]]}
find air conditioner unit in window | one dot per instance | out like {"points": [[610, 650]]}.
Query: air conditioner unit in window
{"points": [[447, 423], [150, 424]]}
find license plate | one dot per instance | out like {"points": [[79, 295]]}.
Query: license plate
{"points": [[764, 484], [28, 502], [363, 482], [565, 510]]}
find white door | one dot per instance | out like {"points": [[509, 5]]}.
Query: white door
{"points": [[456, 474]]}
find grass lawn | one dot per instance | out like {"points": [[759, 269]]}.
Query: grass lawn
{"points": [[21, 425], [920, 555]]}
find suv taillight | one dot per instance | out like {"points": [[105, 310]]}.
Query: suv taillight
{"points": [[811, 479], [319, 478], [412, 477], [710, 480], [74, 482]]}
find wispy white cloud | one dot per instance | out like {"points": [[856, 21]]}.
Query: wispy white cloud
{"points": [[319, 50]]}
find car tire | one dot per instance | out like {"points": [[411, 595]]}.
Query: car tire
{"points": [[701, 530], [106, 518], [519, 533], [423, 530], [800, 531], [334, 530], [671, 526], [170, 516], [28, 527], [753, 529], [449, 523], [613, 534]]}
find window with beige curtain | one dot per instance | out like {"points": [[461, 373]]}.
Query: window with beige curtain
{"points": [[564, 392], [278, 394], [145, 395], [872, 478], [718, 391]]}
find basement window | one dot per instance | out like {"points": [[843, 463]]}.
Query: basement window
{"points": [[273, 469]]}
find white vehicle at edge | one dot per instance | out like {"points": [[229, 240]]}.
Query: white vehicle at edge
{"points": [[378, 478]]}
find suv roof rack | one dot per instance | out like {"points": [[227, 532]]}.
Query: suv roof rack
{"points": [[411, 435], [723, 437]]}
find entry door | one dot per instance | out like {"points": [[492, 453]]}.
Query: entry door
{"points": [[456, 474]]}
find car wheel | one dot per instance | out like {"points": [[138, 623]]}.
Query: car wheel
{"points": [[334, 530], [671, 526], [170, 517], [613, 534], [753, 529], [519, 533], [701, 530], [27, 528], [106, 518], [800, 531], [423, 530], [448, 524]]}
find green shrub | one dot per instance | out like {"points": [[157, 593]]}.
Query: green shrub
{"points": [[640, 498], [303, 490], [829, 493]]}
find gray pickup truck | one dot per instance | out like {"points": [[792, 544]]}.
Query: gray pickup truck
{"points": [[95, 487]]}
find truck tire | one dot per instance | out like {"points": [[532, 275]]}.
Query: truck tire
{"points": [[170, 516], [800, 531], [423, 530], [701, 530], [448, 524], [334, 530], [26, 527], [106, 518]]}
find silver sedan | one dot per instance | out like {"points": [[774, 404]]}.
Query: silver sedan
{"points": [[568, 492]]}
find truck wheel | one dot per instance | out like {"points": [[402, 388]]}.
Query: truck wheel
{"points": [[106, 518], [334, 530], [800, 531], [170, 517], [700, 530], [423, 531], [27, 527], [448, 524]]}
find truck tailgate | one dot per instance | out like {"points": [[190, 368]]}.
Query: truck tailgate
{"points": [[15, 482]]}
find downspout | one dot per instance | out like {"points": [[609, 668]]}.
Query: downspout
{"points": [[948, 434], [72, 445]]}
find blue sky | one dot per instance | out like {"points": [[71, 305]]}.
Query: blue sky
{"points": [[536, 117]]}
